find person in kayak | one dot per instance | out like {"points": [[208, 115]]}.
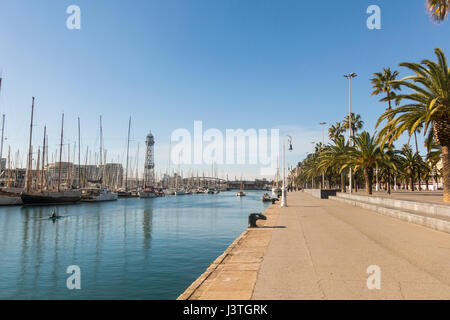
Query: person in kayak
{"points": [[54, 214]]}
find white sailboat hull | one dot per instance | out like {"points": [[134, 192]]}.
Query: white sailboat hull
{"points": [[10, 200], [146, 195], [100, 196]]}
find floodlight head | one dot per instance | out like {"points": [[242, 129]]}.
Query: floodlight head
{"points": [[351, 75]]}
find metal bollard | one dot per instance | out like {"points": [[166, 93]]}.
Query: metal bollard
{"points": [[253, 217]]}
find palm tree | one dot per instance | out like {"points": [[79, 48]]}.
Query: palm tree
{"points": [[335, 131], [357, 123], [429, 107], [332, 157], [438, 9], [410, 164], [390, 165], [364, 156], [382, 83]]}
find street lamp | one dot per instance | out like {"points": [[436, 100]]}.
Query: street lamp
{"points": [[350, 76], [312, 177], [283, 191], [323, 144]]}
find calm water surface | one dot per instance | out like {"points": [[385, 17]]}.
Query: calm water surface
{"points": [[126, 249]]}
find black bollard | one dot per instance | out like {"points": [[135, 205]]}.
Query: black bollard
{"points": [[253, 217]]}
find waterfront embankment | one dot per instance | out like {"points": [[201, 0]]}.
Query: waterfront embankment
{"points": [[233, 274], [324, 249]]}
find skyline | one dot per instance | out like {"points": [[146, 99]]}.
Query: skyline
{"points": [[231, 65]]}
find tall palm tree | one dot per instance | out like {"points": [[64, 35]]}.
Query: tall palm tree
{"points": [[438, 9], [357, 123], [382, 84], [335, 131], [428, 106], [364, 156]]}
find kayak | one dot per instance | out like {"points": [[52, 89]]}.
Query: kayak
{"points": [[55, 218]]}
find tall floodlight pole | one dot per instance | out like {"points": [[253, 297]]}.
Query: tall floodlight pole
{"points": [[283, 191], [323, 144], [350, 76]]}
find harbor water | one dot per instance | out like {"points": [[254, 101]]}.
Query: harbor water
{"points": [[125, 249]]}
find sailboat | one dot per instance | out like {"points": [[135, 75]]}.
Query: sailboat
{"points": [[241, 192], [8, 196], [43, 197], [99, 193], [276, 190]]}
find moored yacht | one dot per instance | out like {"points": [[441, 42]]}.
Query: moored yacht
{"points": [[169, 192], [98, 195], [50, 197], [10, 197]]}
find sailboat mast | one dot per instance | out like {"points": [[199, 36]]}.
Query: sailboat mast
{"points": [[101, 147], [30, 150], [3, 131], [9, 167], [128, 151], [43, 159], [60, 153], [79, 154]]}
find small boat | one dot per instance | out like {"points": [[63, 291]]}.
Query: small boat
{"points": [[147, 194], [266, 198], [276, 192], [202, 190], [97, 195], [124, 194], [169, 192], [180, 192], [241, 192], [55, 216]]}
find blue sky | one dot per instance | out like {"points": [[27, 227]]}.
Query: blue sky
{"points": [[232, 64]]}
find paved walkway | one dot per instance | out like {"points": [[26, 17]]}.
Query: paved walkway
{"points": [[326, 247], [321, 249]]}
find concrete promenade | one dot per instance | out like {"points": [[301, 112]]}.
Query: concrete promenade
{"points": [[321, 249]]}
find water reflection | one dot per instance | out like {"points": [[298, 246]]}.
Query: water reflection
{"points": [[130, 248]]}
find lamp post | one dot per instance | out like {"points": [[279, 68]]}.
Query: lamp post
{"points": [[350, 76], [283, 191], [323, 144], [312, 177]]}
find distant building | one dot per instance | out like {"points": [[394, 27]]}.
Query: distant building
{"points": [[109, 175]]}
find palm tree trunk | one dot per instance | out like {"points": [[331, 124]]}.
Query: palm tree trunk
{"points": [[389, 183], [368, 176], [417, 151], [446, 172], [342, 183], [411, 181]]}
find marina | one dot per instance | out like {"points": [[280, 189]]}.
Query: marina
{"points": [[234, 153], [126, 249]]}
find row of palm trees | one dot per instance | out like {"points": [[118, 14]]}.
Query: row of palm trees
{"points": [[423, 107]]}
